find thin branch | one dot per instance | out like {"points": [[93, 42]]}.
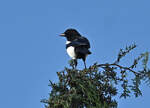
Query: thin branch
{"points": [[121, 67]]}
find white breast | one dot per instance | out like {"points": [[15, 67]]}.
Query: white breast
{"points": [[71, 52]]}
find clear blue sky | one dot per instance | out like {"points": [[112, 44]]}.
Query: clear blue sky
{"points": [[31, 52]]}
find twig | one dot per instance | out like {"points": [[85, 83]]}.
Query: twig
{"points": [[121, 67]]}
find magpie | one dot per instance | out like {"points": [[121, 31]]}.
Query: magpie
{"points": [[77, 46]]}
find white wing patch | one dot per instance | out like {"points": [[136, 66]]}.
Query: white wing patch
{"points": [[68, 42], [71, 52]]}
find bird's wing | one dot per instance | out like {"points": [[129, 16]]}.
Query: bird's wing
{"points": [[81, 41]]}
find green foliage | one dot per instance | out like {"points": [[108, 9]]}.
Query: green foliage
{"points": [[96, 86]]}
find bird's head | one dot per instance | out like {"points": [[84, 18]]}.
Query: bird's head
{"points": [[70, 34]]}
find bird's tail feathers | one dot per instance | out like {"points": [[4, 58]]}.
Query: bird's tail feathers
{"points": [[89, 52]]}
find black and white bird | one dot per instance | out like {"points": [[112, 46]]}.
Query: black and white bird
{"points": [[77, 46]]}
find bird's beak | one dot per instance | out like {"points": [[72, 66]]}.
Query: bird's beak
{"points": [[62, 34]]}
